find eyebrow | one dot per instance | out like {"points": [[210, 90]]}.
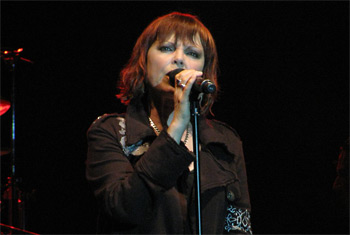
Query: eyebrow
{"points": [[186, 45]]}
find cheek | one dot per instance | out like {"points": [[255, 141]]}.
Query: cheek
{"points": [[201, 67], [198, 65], [154, 70]]}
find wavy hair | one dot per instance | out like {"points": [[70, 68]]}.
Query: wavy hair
{"points": [[131, 84]]}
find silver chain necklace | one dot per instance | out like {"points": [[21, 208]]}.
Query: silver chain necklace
{"points": [[158, 131]]}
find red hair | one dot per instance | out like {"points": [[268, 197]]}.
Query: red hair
{"points": [[185, 27]]}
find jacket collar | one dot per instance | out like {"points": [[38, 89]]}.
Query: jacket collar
{"points": [[137, 123], [211, 132]]}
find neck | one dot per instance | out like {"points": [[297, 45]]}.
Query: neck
{"points": [[159, 109]]}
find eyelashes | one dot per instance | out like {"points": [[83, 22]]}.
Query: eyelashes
{"points": [[165, 48], [190, 51], [194, 54]]}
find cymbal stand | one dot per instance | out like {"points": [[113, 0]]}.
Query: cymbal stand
{"points": [[16, 215]]}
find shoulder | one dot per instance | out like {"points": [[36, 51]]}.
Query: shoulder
{"points": [[214, 132], [107, 121], [224, 128], [107, 117]]}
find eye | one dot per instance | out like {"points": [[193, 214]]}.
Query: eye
{"points": [[194, 54], [165, 48]]}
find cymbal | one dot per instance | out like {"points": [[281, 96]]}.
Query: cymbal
{"points": [[4, 106], [5, 152]]}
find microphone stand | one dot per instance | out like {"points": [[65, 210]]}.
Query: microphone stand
{"points": [[206, 87], [195, 114]]}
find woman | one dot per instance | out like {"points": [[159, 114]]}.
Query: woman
{"points": [[140, 164]]}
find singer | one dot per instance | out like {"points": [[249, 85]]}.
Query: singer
{"points": [[140, 164]]}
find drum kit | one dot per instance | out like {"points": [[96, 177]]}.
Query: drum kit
{"points": [[12, 201]]}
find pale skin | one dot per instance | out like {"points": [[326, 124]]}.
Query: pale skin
{"points": [[169, 105]]}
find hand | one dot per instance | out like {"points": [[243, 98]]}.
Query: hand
{"points": [[182, 114]]}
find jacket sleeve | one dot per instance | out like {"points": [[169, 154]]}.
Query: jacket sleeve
{"points": [[244, 201], [238, 214], [125, 191]]}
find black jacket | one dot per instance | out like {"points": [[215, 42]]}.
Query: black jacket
{"points": [[143, 185]]}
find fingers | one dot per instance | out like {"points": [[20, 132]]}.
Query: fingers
{"points": [[181, 116], [186, 78], [181, 85]]}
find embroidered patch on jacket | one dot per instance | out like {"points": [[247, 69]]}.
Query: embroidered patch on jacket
{"points": [[238, 220], [135, 149]]}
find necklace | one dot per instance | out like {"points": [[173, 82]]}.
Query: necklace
{"points": [[158, 131], [154, 125]]}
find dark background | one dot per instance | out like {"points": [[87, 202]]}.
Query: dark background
{"points": [[285, 89]]}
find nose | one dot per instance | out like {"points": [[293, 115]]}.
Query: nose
{"points": [[179, 58]]}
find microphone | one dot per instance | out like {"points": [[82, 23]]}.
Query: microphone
{"points": [[201, 86]]}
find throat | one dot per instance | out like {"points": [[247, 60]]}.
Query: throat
{"points": [[160, 112]]}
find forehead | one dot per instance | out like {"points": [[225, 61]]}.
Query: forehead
{"points": [[194, 40]]}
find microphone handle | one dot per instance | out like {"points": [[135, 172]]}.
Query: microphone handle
{"points": [[201, 86]]}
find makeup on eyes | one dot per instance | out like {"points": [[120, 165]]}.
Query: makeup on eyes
{"points": [[190, 50]]}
